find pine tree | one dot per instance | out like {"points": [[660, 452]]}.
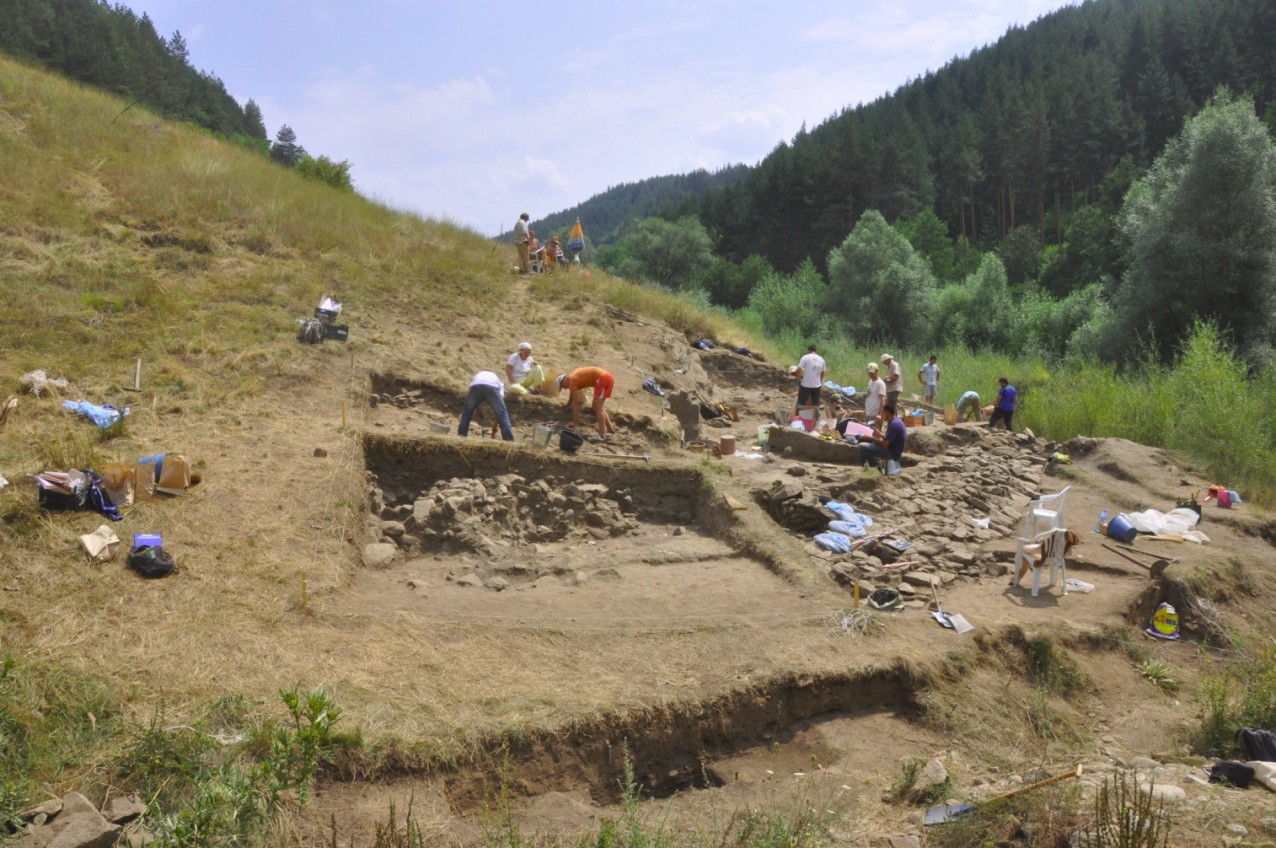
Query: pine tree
{"points": [[286, 151], [255, 123]]}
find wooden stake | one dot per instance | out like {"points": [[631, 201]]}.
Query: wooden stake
{"points": [[305, 592], [137, 378], [856, 595]]}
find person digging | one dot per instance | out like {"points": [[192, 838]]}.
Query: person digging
{"points": [[603, 384]]}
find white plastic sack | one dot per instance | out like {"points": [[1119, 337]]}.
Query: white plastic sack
{"points": [[1264, 773], [1177, 522]]}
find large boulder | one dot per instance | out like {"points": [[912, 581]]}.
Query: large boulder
{"points": [[812, 448]]}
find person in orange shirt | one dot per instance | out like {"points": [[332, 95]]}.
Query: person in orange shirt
{"points": [[602, 382]]}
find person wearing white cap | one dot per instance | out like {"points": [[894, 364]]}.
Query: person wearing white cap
{"points": [[522, 374], [893, 378], [874, 395]]}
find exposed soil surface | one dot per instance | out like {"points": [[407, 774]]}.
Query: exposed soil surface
{"points": [[686, 546]]}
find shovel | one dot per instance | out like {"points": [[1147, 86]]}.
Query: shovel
{"points": [[952, 812], [1155, 570]]}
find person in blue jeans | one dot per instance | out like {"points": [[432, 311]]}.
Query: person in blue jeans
{"points": [[487, 388], [1007, 396], [889, 446]]}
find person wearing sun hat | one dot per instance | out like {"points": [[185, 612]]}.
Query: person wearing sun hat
{"points": [[522, 373], [893, 378]]}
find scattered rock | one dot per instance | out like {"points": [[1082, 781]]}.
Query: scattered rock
{"points": [[496, 584], [320, 452], [931, 775], [798, 470], [469, 580], [124, 809], [1238, 830], [1163, 792], [378, 554]]}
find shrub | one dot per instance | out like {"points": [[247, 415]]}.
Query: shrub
{"points": [[1242, 693]]}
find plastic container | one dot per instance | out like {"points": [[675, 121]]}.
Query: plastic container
{"points": [[726, 445], [540, 436], [764, 435], [147, 540], [1121, 529]]}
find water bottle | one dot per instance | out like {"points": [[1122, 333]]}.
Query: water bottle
{"points": [[1103, 516]]}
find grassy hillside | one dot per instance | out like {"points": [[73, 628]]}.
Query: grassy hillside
{"points": [[124, 236]]}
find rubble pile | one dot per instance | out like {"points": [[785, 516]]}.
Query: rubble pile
{"points": [[477, 515], [934, 505]]}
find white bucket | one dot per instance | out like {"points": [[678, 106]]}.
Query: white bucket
{"points": [[540, 436]]}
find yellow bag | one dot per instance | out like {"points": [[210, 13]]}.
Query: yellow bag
{"points": [[950, 414]]}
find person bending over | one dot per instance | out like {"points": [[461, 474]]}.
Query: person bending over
{"points": [[603, 384], [486, 388]]}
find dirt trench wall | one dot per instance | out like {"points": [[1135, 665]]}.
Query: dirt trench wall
{"points": [[669, 748], [407, 467]]}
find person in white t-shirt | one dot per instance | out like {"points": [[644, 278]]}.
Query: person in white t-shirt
{"points": [[893, 378], [929, 375], [810, 373], [522, 374], [486, 388], [875, 394]]}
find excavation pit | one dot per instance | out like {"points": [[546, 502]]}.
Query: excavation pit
{"points": [[547, 539]]}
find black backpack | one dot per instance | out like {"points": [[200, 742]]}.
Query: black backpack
{"points": [[1257, 744], [1232, 773], [151, 561]]}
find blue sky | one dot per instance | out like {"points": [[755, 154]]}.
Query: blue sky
{"points": [[477, 111]]}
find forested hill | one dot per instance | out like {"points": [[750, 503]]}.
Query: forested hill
{"points": [[610, 215], [1018, 134], [111, 48]]}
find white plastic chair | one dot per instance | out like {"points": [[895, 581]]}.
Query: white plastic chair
{"points": [[1044, 549], [1045, 513]]}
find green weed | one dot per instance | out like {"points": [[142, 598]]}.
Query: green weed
{"points": [[1124, 817], [1159, 674], [1053, 669]]}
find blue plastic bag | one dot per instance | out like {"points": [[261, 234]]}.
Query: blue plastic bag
{"points": [[102, 416], [835, 542]]}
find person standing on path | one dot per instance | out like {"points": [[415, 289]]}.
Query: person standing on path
{"points": [[810, 373], [486, 388], [893, 378], [1007, 400], [929, 375], [521, 235]]}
